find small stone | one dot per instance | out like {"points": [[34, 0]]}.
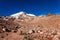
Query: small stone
{"points": [[16, 27], [54, 33], [7, 34], [30, 31], [41, 32], [33, 31], [15, 31], [3, 29], [7, 30], [38, 31], [5, 19]]}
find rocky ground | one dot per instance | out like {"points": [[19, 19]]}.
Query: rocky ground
{"points": [[30, 28]]}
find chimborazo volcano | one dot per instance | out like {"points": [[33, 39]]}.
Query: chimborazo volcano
{"points": [[23, 26]]}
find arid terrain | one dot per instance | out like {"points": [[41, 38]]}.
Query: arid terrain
{"points": [[30, 27]]}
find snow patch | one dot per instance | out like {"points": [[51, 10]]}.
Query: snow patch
{"points": [[30, 14], [16, 15], [41, 15]]}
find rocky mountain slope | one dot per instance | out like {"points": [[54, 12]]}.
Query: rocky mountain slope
{"points": [[29, 27]]}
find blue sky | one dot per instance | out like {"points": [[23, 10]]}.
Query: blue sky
{"points": [[37, 7]]}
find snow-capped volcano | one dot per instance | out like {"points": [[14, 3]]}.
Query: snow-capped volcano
{"points": [[24, 14], [16, 15]]}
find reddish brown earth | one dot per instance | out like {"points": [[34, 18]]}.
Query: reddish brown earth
{"points": [[30, 28]]}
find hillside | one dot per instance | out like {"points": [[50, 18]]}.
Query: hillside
{"points": [[26, 27]]}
